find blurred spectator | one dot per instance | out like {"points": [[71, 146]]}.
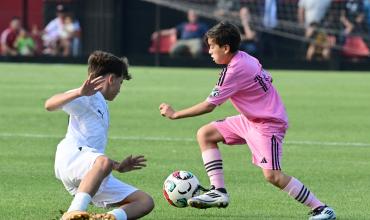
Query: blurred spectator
{"points": [[232, 8], [367, 12], [249, 38], [8, 37], [320, 43], [54, 42], [67, 28], [75, 37], [355, 28], [268, 41], [190, 36], [312, 11], [353, 17], [71, 32], [37, 38], [24, 44], [310, 16], [225, 8]]}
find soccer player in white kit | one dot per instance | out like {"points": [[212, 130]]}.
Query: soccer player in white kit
{"points": [[80, 162], [261, 123]]}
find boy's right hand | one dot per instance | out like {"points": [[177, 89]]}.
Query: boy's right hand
{"points": [[92, 86], [166, 110]]}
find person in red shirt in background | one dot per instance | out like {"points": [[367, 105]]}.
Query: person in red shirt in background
{"points": [[8, 37]]}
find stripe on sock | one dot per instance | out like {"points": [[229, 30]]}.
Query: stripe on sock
{"points": [[213, 165], [302, 195]]}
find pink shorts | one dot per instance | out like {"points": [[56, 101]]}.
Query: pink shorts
{"points": [[266, 147]]}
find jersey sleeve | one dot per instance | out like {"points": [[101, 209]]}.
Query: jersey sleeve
{"points": [[226, 86], [77, 106]]}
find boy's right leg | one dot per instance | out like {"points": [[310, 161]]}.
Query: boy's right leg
{"points": [[208, 137], [89, 185], [91, 182]]}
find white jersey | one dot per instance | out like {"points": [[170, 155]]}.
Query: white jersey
{"points": [[314, 10], [85, 141], [88, 123]]}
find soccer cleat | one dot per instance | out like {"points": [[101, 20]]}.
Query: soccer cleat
{"points": [[102, 216], [322, 213], [211, 199], [76, 215]]}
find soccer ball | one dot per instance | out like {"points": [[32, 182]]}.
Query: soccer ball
{"points": [[179, 187]]}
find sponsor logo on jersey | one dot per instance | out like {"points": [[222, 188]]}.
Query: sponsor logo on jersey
{"points": [[215, 92]]}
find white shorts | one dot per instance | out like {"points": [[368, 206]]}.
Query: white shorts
{"points": [[72, 164]]}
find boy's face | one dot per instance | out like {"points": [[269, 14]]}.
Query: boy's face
{"points": [[114, 86], [220, 54]]}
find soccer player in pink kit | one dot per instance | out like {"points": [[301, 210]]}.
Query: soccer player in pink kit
{"points": [[261, 124]]}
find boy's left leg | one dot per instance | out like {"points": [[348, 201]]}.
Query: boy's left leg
{"points": [[266, 153], [299, 192], [128, 201], [135, 206]]}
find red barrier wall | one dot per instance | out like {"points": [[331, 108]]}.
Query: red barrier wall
{"points": [[30, 12]]}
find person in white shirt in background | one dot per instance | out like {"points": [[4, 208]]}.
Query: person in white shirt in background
{"points": [[54, 42]]}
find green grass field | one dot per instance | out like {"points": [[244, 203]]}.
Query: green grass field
{"points": [[327, 146]]}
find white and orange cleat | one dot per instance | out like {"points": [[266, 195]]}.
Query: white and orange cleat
{"points": [[76, 215], [102, 216]]}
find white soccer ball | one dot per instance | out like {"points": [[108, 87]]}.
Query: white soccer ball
{"points": [[179, 187]]}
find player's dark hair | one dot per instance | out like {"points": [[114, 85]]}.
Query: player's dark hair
{"points": [[224, 33], [102, 63]]}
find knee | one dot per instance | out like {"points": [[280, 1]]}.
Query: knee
{"points": [[272, 177], [147, 203], [204, 134], [104, 164]]}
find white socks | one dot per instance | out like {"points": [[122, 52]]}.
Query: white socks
{"points": [[120, 214], [80, 202]]}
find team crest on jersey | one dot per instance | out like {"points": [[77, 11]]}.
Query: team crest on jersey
{"points": [[215, 92]]}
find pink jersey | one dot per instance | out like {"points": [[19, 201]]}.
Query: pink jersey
{"points": [[250, 90]]}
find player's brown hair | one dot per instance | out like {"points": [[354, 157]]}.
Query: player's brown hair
{"points": [[224, 33], [102, 63]]}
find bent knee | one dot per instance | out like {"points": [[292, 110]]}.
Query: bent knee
{"points": [[205, 133], [104, 163], [149, 204], [146, 202], [272, 177]]}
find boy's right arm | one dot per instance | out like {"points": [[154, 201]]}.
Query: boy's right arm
{"points": [[88, 88], [57, 101]]}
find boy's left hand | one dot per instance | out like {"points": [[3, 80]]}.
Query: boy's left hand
{"points": [[130, 163]]}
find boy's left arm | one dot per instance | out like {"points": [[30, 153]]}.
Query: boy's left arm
{"points": [[198, 109]]}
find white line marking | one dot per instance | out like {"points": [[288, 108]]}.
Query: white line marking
{"points": [[137, 138]]}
